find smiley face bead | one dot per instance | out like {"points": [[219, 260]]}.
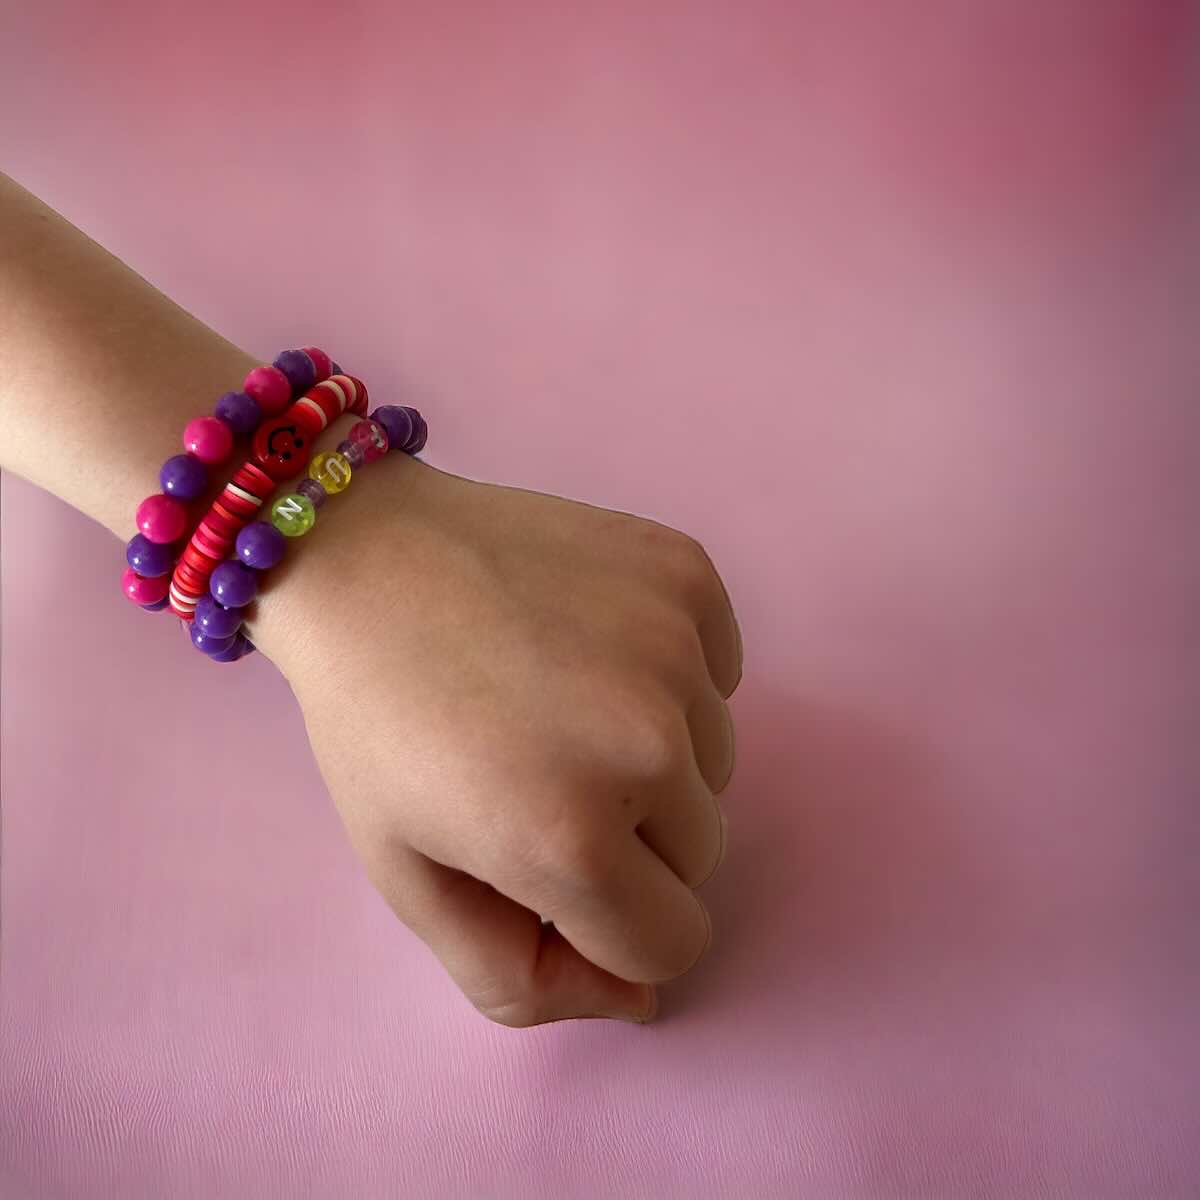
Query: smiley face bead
{"points": [[331, 470], [293, 515], [282, 447], [372, 437]]}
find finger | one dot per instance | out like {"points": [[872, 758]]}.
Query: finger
{"points": [[683, 823], [712, 733], [624, 909], [512, 967], [720, 634]]}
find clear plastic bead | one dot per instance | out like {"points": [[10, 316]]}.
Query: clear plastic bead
{"points": [[293, 515]]}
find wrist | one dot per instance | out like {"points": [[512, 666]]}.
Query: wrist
{"points": [[319, 576]]}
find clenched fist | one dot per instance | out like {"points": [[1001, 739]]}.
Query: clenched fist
{"points": [[517, 702]]}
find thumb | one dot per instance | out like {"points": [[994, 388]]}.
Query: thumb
{"points": [[515, 969]]}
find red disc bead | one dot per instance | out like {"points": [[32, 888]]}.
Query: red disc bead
{"points": [[211, 544], [240, 501], [223, 522], [189, 583], [309, 417], [197, 559], [196, 567], [362, 399], [356, 393], [188, 580], [256, 480], [185, 610], [325, 402], [232, 519]]}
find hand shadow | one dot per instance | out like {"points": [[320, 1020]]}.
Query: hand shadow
{"points": [[838, 825]]}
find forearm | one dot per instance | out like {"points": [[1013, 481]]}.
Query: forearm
{"points": [[99, 371], [99, 374]]}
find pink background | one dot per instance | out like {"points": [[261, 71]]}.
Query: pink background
{"points": [[895, 308]]}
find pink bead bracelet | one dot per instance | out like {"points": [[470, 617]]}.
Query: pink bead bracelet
{"points": [[164, 518]]}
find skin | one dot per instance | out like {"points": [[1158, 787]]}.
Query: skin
{"points": [[547, 679]]}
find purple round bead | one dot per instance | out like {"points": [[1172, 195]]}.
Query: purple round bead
{"points": [[420, 433], [239, 648], [334, 369], [233, 584], [215, 619], [313, 490], [354, 453], [207, 643], [260, 545], [299, 369], [397, 423], [148, 558], [158, 605], [183, 477], [239, 411]]}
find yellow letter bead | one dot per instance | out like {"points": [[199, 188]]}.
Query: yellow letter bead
{"points": [[331, 470], [293, 515]]}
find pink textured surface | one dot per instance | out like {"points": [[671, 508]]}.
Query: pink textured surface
{"points": [[896, 312]]}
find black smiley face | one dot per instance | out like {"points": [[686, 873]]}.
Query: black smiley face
{"points": [[282, 441], [282, 447]]}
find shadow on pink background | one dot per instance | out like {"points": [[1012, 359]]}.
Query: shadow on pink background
{"points": [[896, 311]]}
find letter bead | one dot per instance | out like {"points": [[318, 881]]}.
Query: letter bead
{"points": [[331, 470], [293, 515], [372, 437]]}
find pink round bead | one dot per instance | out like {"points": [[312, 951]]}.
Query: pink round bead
{"points": [[372, 437], [141, 590], [320, 360], [270, 387], [209, 439], [161, 518]]}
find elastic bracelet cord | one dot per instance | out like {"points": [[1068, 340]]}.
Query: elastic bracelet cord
{"points": [[165, 518], [261, 545]]}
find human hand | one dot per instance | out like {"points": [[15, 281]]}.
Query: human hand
{"points": [[517, 702]]}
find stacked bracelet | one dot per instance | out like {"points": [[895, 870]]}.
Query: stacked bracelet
{"points": [[296, 396], [260, 545], [163, 519], [281, 447]]}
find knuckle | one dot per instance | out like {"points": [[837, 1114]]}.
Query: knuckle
{"points": [[565, 854], [674, 547], [654, 741], [693, 560], [575, 854]]}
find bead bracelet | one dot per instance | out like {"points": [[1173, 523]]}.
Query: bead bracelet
{"points": [[163, 518], [281, 447], [259, 546]]}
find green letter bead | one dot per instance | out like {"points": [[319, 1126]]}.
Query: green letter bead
{"points": [[293, 515]]}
